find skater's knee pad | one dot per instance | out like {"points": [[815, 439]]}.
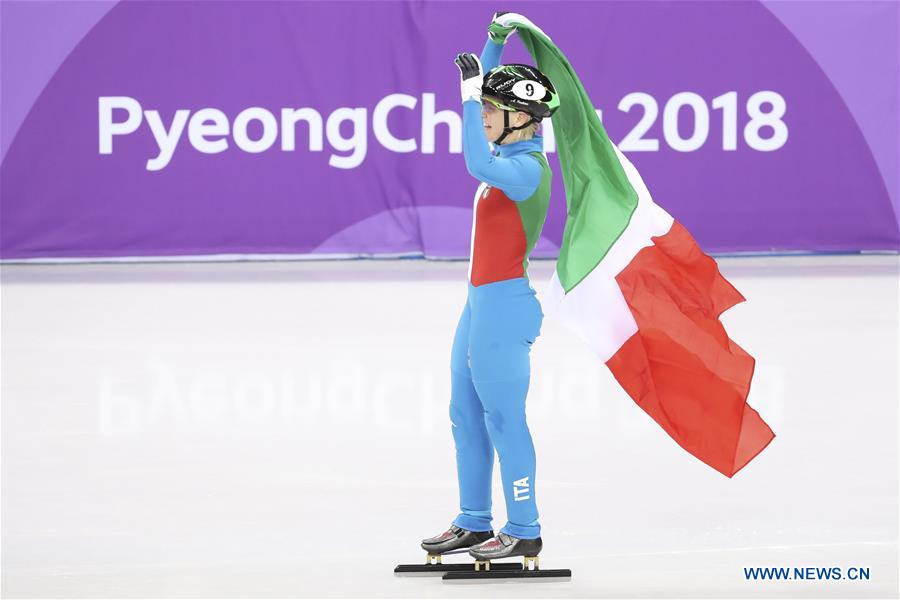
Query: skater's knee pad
{"points": [[504, 410], [512, 440], [493, 420], [465, 416], [470, 434]]}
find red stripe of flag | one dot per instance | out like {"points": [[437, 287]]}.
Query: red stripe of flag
{"points": [[681, 367]]}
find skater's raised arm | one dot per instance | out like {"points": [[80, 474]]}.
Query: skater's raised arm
{"points": [[518, 176], [490, 56], [498, 35]]}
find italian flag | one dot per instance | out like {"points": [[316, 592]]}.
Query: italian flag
{"points": [[634, 284]]}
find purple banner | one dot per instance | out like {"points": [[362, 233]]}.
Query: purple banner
{"points": [[138, 129]]}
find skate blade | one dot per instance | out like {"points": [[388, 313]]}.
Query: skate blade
{"points": [[499, 576], [420, 570]]}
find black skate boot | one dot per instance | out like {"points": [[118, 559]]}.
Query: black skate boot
{"points": [[504, 546], [453, 539]]}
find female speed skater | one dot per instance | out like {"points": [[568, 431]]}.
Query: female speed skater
{"points": [[489, 365]]}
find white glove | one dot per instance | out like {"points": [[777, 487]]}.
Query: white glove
{"points": [[471, 76]]}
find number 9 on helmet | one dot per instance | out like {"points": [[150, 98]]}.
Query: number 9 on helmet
{"points": [[522, 87]]}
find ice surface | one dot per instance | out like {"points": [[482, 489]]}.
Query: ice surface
{"points": [[281, 430]]}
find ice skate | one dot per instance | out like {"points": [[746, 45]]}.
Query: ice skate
{"points": [[505, 546], [455, 540]]}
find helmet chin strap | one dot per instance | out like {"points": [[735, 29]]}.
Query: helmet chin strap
{"points": [[508, 130]]}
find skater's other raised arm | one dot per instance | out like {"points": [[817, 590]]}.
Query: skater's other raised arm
{"points": [[491, 54], [518, 176]]}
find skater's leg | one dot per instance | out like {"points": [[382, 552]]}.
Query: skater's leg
{"points": [[505, 420], [474, 453], [506, 321]]}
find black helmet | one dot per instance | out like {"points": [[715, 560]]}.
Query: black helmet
{"points": [[522, 87]]}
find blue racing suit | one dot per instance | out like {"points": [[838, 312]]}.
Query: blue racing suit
{"points": [[490, 358]]}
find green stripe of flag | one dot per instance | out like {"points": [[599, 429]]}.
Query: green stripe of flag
{"points": [[599, 198]]}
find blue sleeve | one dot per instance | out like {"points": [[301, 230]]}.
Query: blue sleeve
{"points": [[490, 56], [518, 176]]}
